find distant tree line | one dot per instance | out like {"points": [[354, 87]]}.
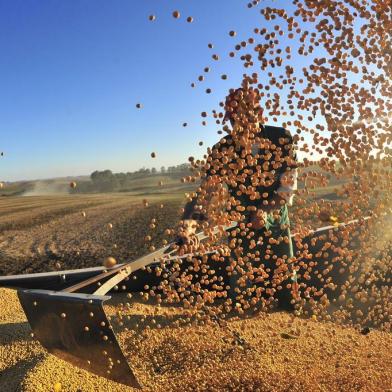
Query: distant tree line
{"points": [[107, 181]]}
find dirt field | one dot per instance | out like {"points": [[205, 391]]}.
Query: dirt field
{"points": [[274, 352], [36, 233]]}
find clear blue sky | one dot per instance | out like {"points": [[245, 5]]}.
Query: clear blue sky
{"points": [[72, 71]]}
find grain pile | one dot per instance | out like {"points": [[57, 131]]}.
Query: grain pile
{"points": [[264, 352], [267, 352]]}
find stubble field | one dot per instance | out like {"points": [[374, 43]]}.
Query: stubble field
{"points": [[42, 233]]}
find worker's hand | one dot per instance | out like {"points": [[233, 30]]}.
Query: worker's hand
{"points": [[187, 240], [258, 219]]}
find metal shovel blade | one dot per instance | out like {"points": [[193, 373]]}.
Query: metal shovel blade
{"points": [[75, 328]]}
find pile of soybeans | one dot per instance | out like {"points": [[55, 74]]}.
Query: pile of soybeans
{"points": [[267, 352]]}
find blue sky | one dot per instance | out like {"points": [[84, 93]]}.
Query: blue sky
{"points": [[72, 72]]}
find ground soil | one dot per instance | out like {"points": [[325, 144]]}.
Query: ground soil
{"points": [[39, 234]]}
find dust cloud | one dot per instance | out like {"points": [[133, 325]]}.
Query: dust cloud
{"points": [[47, 188]]}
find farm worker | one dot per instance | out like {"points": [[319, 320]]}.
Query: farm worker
{"points": [[257, 165]]}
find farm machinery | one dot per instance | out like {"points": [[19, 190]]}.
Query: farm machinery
{"points": [[65, 308]]}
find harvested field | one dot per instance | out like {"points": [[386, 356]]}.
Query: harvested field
{"points": [[40, 234]]}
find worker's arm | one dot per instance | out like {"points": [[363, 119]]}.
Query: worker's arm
{"points": [[189, 223], [192, 211], [195, 211], [197, 208]]}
